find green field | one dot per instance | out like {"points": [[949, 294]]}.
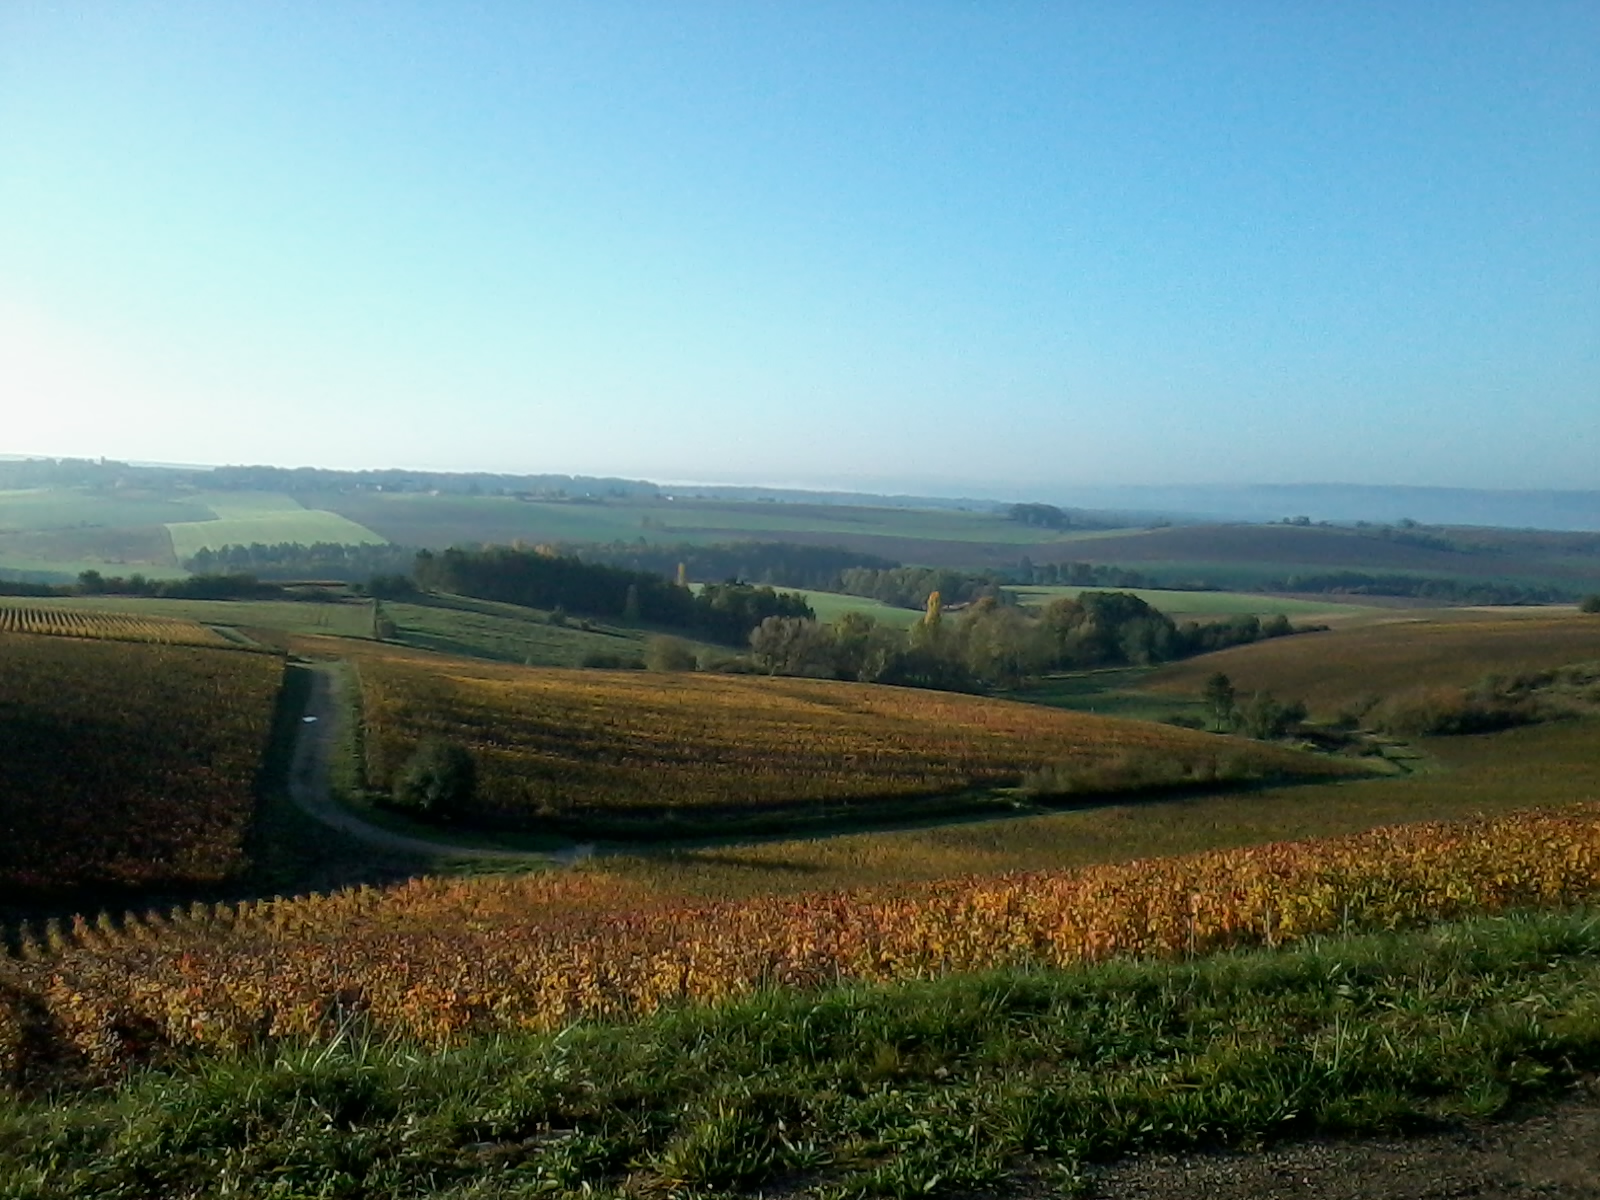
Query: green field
{"points": [[76, 508], [244, 518], [418, 519], [830, 606], [512, 634], [58, 564], [1112, 692], [55, 533], [1210, 606]]}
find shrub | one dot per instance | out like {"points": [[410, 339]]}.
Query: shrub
{"points": [[438, 781], [1266, 717], [1590, 604], [1134, 771], [1451, 710], [662, 653], [611, 661]]}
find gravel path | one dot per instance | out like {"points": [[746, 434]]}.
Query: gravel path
{"points": [[308, 788]]}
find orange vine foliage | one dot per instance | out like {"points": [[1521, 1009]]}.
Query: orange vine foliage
{"points": [[550, 740], [438, 959], [127, 763]]}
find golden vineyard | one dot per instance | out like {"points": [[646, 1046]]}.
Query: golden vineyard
{"points": [[435, 960], [126, 763], [1339, 671], [553, 741], [110, 626]]}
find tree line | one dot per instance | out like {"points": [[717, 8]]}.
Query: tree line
{"points": [[333, 561], [544, 579], [1429, 587], [777, 564], [195, 587], [992, 645]]}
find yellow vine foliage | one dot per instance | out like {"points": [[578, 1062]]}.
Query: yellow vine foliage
{"points": [[109, 626], [438, 959], [1358, 665], [552, 740]]}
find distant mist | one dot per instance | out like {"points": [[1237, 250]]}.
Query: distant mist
{"points": [[1347, 502]]}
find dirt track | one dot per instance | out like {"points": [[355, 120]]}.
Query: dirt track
{"points": [[1553, 1154], [309, 789]]}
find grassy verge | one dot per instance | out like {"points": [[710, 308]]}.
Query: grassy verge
{"points": [[950, 1084], [347, 775]]}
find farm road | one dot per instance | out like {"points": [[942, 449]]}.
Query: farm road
{"points": [[1553, 1154], [309, 788]]}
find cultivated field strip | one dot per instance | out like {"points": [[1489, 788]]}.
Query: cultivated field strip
{"points": [[1358, 666], [436, 959], [552, 741], [108, 626]]}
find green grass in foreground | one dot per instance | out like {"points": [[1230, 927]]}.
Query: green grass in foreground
{"points": [[947, 1085]]}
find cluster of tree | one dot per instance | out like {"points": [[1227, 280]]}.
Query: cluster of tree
{"points": [[1078, 574], [910, 587], [61, 472], [778, 564], [25, 587], [1590, 604], [990, 645], [539, 579], [340, 561], [1411, 533], [1262, 716], [729, 611], [195, 587], [544, 579], [1450, 591], [1046, 516], [87, 472]]}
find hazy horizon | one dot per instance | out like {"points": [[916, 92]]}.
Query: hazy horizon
{"points": [[1542, 508], [916, 248]]}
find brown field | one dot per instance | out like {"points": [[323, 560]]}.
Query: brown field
{"points": [[128, 764], [113, 626], [552, 741], [1347, 667]]}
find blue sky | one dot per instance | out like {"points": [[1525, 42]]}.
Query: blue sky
{"points": [[934, 245]]}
